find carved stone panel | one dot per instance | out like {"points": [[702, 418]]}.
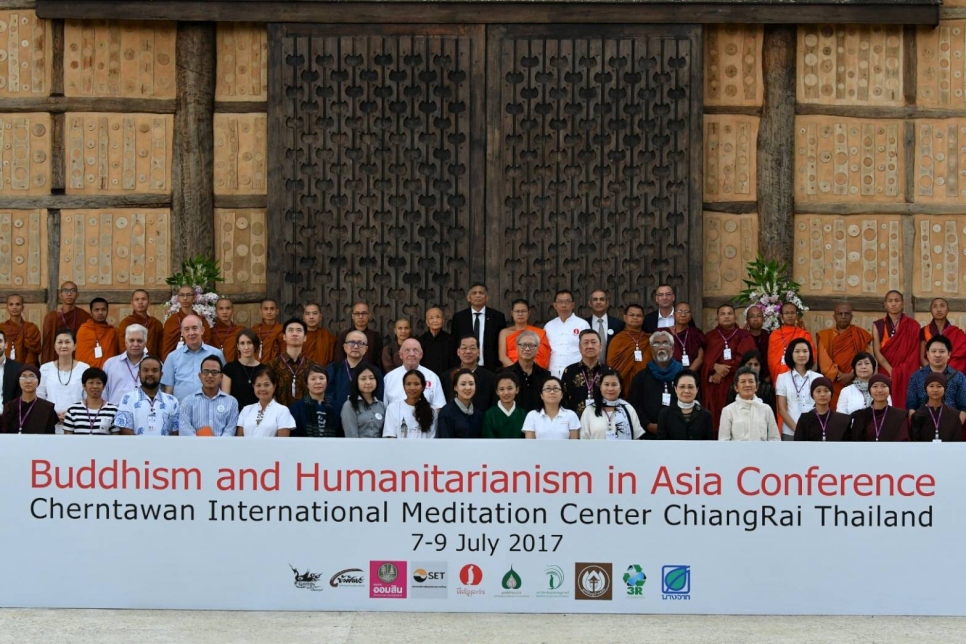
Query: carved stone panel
{"points": [[118, 153], [375, 182], [24, 154], [242, 73], [850, 64], [940, 161], [23, 249], [121, 248], [119, 58], [940, 59], [848, 255], [241, 245], [240, 163], [848, 160], [733, 70], [594, 179], [939, 246], [730, 158], [730, 242], [26, 54]]}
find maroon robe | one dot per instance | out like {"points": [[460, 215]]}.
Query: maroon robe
{"points": [[715, 395]]}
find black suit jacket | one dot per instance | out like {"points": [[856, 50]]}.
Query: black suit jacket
{"points": [[11, 380], [650, 322], [613, 324], [495, 322]]}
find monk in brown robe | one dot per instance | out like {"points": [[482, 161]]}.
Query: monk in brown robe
{"points": [[629, 350], [172, 326], [838, 346], [361, 315], [66, 316], [507, 340], [781, 338], [269, 331], [140, 301], [688, 340], [23, 338], [895, 343], [224, 332], [939, 325], [755, 325], [319, 344], [724, 346], [96, 339]]}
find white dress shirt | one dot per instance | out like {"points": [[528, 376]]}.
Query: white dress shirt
{"points": [[564, 339], [394, 390]]}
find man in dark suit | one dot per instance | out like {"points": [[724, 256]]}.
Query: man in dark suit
{"points": [[663, 317], [603, 323], [10, 370], [483, 323]]}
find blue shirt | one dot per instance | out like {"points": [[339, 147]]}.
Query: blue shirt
{"points": [[955, 389], [136, 412], [340, 382], [182, 366], [198, 410]]}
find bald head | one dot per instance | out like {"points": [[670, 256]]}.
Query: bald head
{"points": [[843, 315], [410, 352]]}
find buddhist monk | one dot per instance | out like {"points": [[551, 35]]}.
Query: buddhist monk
{"points": [[939, 325], [629, 350], [66, 316], [895, 344], [688, 340], [269, 331], [781, 337], [172, 326], [140, 301], [96, 339], [836, 347], [724, 346], [507, 340], [319, 344], [224, 332], [23, 338], [755, 324]]}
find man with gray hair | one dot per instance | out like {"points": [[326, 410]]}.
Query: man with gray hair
{"points": [[653, 388], [530, 374], [122, 370]]}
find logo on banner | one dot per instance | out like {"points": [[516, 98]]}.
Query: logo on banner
{"points": [[676, 582], [307, 580], [554, 587], [387, 579], [593, 581], [471, 576], [348, 578], [635, 578], [511, 583], [429, 580]]}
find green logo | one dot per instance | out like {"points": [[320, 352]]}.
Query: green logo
{"points": [[511, 580], [635, 578]]}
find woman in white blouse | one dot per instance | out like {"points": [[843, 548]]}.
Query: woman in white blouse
{"points": [[60, 379], [793, 389], [610, 417], [856, 396], [266, 418], [550, 421], [747, 418], [412, 417]]}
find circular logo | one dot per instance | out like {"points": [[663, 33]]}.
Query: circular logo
{"points": [[378, 416], [419, 575], [634, 577], [594, 581], [387, 573], [471, 575]]}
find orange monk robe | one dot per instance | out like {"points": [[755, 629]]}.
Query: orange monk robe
{"points": [[319, 346], [543, 353], [620, 356], [835, 351], [171, 335], [225, 337], [778, 343], [54, 322], [96, 343], [269, 336], [715, 396], [155, 333], [957, 359], [23, 342]]}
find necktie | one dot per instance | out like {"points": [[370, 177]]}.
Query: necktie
{"points": [[603, 340], [476, 330]]}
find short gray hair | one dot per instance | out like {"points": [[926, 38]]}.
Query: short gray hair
{"points": [[654, 335], [136, 328], [529, 334]]}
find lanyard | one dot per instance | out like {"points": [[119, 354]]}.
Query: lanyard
{"points": [[590, 383], [894, 327], [823, 423], [133, 372], [637, 340], [729, 337], [73, 318], [91, 419], [935, 418], [687, 332], [798, 390], [151, 401], [877, 425], [298, 366], [22, 417]]}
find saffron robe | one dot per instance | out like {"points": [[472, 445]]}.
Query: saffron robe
{"points": [[778, 342], [270, 338], [835, 350], [319, 346], [23, 342], [155, 333], [225, 337], [715, 395], [543, 353], [620, 356], [902, 352], [55, 321], [89, 337]]}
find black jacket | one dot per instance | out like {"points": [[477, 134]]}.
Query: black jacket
{"points": [[453, 423], [11, 380], [494, 322], [672, 426], [650, 322], [614, 326]]}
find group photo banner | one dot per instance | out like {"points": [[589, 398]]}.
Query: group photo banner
{"points": [[482, 526]]}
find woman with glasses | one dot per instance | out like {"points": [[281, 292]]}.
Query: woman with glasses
{"points": [[238, 375], [28, 414], [266, 418], [685, 420], [507, 342], [550, 420], [60, 379]]}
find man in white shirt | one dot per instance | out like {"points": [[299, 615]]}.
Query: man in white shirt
{"points": [[563, 333], [122, 370], [663, 317], [411, 352], [604, 324]]}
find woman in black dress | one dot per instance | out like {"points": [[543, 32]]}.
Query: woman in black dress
{"points": [[239, 374]]}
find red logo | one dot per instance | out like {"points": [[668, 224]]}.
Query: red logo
{"points": [[471, 575], [576, 331]]}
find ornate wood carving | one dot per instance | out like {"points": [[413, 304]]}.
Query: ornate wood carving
{"points": [[730, 158], [241, 243], [240, 164], [940, 161], [23, 251], [733, 65], [242, 62], [940, 78], [940, 244], [730, 242], [850, 64], [25, 54], [24, 154]]}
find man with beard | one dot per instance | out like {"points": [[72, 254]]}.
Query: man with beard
{"points": [[147, 411], [653, 388], [724, 346]]}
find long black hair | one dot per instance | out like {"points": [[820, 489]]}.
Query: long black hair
{"points": [[354, 396], [422, 410]]}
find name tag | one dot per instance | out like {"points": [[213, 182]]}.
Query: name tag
{"points": [[590, 402], [727, 353], [13, 353], [686, 361], [665, 399], [98, 352], [638, 356], [152, 422]]}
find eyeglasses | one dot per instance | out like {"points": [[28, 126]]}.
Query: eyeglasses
{"points": [[210, 372], [361, 313], [28, 376], [551, 390], [69, 291], [528, 347], [357, 343]]}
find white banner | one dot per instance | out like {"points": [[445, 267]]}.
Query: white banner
{"points": [[482, 526]]}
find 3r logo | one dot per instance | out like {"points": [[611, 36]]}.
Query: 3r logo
{"points": [[471, 575]]}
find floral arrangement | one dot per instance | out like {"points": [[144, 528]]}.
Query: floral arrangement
{"points": [[768, 287], [200, 273]]}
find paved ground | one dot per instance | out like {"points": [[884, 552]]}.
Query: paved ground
{"points": [[142, 627]]}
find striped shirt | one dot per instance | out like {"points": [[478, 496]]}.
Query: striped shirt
{"points": [[220, 414], [81, 420]]}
